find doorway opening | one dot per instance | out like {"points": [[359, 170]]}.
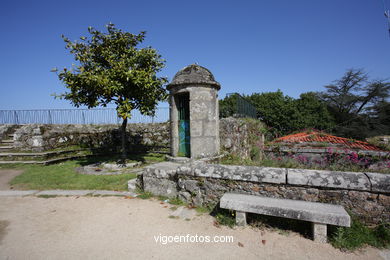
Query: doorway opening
{"points": [[183, 107]]}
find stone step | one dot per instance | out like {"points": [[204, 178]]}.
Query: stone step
{"points": [[6, 147], [8, 141], [22, 162]]}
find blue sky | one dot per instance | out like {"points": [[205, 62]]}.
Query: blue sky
{"points": [[250, 46]]}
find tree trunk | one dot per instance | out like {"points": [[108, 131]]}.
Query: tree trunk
{"points": [[124, 150]]}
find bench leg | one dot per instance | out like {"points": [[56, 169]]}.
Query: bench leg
{"points": [[240, 218], [319, 232]]}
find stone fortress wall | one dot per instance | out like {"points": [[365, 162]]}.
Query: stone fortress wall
{"points": [[365, 195], [234, 136]]}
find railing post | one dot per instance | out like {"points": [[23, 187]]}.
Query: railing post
{"points": [[50, 120], [83, 117], [16, 118]]}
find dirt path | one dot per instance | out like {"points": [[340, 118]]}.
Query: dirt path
{"points": [[6, 176], [119, 228]]}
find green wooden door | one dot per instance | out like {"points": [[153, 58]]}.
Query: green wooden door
{"points": [[184, 125]]}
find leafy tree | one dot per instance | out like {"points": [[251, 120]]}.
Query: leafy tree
{"points": [[228, 106], [286, 114], [112, 69], [312, 113], [275, 109], [353, 100], [283, 113]]}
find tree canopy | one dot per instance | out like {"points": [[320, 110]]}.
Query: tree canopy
{"points": [[112, 69], [358, 104], [352, 106], [282, 113]]}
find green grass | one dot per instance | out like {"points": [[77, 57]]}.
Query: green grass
{"points": [[203, 210], [64, 176], [225, 217], [176, 201], [359, 235], [144, 195]]}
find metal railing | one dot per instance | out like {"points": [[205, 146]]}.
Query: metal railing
{"points": [[244, 107], [77, 116]]}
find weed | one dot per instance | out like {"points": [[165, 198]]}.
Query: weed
{"points": [[226, 217], [203, 210], [162, 198], [359, 235], [145, 195], [46, 196], [176, 201]]}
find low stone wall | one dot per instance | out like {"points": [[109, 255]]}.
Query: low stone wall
{"points": [[366, 195], [235, 134], [45, 137]]}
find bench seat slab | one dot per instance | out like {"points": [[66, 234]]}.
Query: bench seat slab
{"points": [[316, 212]]}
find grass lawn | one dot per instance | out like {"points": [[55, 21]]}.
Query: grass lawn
{"points": [[64, 176]]}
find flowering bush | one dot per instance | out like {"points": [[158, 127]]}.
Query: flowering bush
{"points": [[333, 159]]}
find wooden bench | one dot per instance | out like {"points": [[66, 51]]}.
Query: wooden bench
{"points": [[320, 214]]}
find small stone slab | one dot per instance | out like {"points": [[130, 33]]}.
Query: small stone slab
{"points": [[329, 179], [114, 193], [286, 208], [22, 162], [379, 181], [242, 173], [65, 192], [117, 167], [184, 213], [17, 193]]}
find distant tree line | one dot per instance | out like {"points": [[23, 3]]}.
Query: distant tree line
{"points": [[352, 106]]}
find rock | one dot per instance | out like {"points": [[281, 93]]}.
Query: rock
{"points": [[37, 141], [184, 213], [160, 187], [185, 196], [132, 185]]}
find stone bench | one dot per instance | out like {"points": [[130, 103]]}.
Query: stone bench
{"points": [[319, 214]]}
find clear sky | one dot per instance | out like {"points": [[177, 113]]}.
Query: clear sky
{"points": [[249, 46]]}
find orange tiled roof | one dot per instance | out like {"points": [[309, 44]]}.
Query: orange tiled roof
{"points": [[315, 136]]}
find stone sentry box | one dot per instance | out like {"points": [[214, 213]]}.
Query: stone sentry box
{"points": [[194, 113]]}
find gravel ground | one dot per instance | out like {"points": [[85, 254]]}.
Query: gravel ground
{"points": [[125, 228]]}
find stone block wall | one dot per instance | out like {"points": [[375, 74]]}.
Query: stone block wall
{"points": [[45, 137], [366, 195], [234, 135]]}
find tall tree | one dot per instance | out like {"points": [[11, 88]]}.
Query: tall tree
{"points": [[311, 112], [352, 99], [275, 109], [113, 69]]}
